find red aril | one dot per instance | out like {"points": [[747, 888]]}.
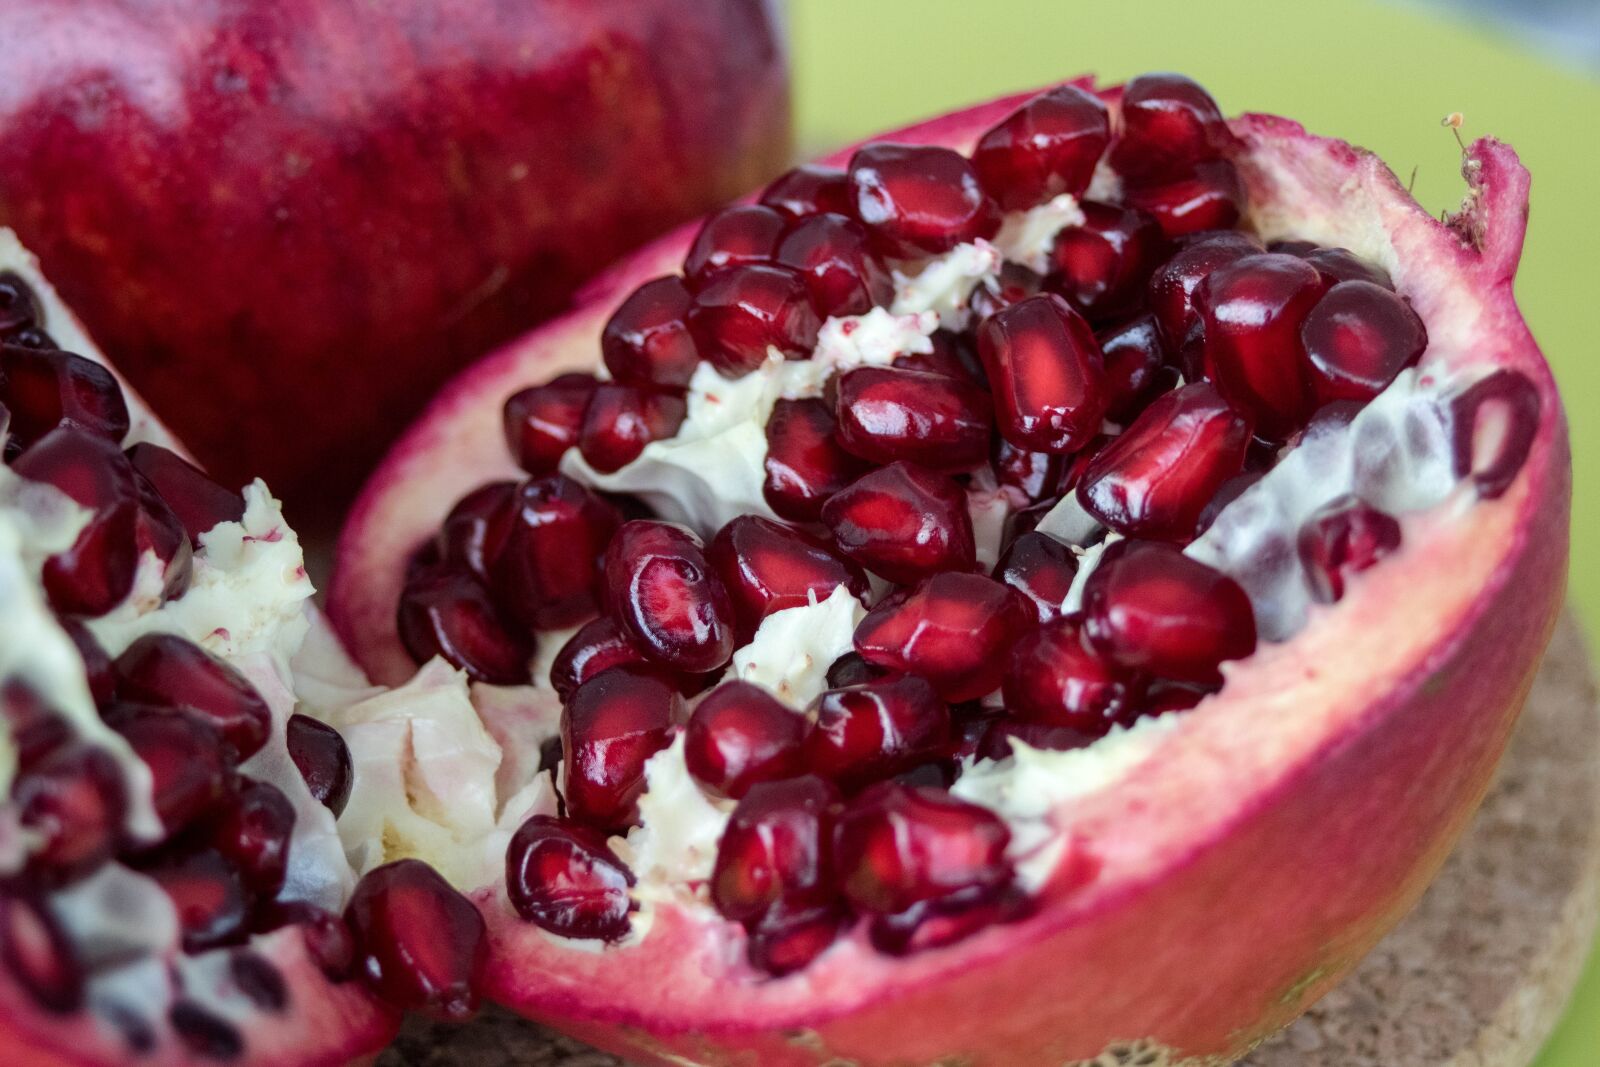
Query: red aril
{"points": [[767, 567], [622, 419], [953, 629], [1014, 284], [810, 189], [919, 198], [169, 672], [447, 612], [1046, 147], [600, 643], [1102, 266], [185, 755], [804, 464], [251, 832], [474, 533], [1054, 678], [1169, 124], [45, 389], [1047, 374], [1341, 265], [1494, 423], [744, 311], [36, 952], [199, 503], [899, 846], [1343, 538], [1136, 366], [1041, 569], [323, 759], [1357, 338], [786, 939], [1172, 286], [418, 941], [647, 343], [776, 850], [865, 733], [72, 798], [1210, 198], [888, 413], [833, 255], [543, 421], [734, 237], [565, 879], [207, 894], [668, 600], [902, 522], [548, 573], [738, 735], [610, 726]]}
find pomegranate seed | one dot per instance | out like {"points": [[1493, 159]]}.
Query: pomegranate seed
{"points": [[474, 533], [199, 503], [743, 311], [933, 924], [1357, 338], [251, 832], [1046, 147], [866, 733], [1344, 536], [1056, 679], [786, 940], [184, 754], [1212, 198], [903, 522], [323, 759], [668, 600], [1341, 265], [1171, 289], [128, 518], [775, 850], [1014, 284], [46, 389], [1227, 493], [952, 629], [543, 421], [328, 940], [599, 644], [207, 894], [954, 354], [1163, 697], [421, 944], [886, 413], [564, 878], [622, 419], [1494, 422], [1156, 479], [170, 672], [96, 664], [1037, 475], [37, 728], [1148, 607], [73, 800], [1169, 124], [898, 846], [1041, 569], [35, 949], [548, 574], [614, 723], [1103, 266], [1136, 369], [1047, 373], [1251, 311], [446, 612], [646, 341], [996, 743], [851, 669], [19, 307], [833, 255], [809, 189], [739, 735], [734, 237], [767, 567], [804, 463], [919, 198]]}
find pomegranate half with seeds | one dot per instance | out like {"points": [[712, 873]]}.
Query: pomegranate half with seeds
{"points": [[1101, 556]]}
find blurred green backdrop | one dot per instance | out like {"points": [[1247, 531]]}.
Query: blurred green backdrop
{"points": [[1381, 76]]}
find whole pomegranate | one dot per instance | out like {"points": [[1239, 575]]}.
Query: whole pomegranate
{"points": [[312, 212]]}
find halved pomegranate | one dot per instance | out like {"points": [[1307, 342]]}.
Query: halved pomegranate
{"points": [[1212, 527]]}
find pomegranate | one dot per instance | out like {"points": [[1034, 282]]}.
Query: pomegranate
{"points": [[1050, 595], [362, 209]]}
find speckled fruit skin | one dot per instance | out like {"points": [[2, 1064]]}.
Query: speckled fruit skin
{"points": [[324, 1024], [311, 212], [1272, 836]]}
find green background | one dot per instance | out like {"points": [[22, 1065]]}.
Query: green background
{"points": [[1376, 75]]}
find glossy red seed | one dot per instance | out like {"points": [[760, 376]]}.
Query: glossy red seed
{"points": [[1154, 480], [474, 533], [74, 801], [323, 759], [543, 421], [1041, 569], [1136, 366], [184, 754], [613, 723], [740, 734], [167, 671], [737, 236], [444, 611], [804, 463], [208, 895], [251, 831], [786, 940], [1357, 338], [940, 422], [564, 878], [1164, 697], [767, 567], [1170, 294], [866, 733], [903, 522], [670, 603], [199, 503], [954, 354], [646, 341], [933, 924], [1103, 266], [1056, 679], [809, 189], [776, 850], [421, 946], [996, 743], [548, 574], [1169, 123], [744, 311], [834, 256], [1341, 265], [96, 664], [599, 644], [1014, 284], [1036, 475], [1210, 198], [46, 389], [1148, 607], [1047, 374], [1251, 311], [1493, 424], [1341, 538], [622, 419], [918, 199], [1046, 147], [128, 518], [327, 939], [37, 952], [955, 630], [852, 669], [898, 846]]}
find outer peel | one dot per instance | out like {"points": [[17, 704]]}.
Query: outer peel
{"points": [[1268, 840]]}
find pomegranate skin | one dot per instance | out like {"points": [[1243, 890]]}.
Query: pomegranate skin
{"points": [[350, 201], [1388, 753]]}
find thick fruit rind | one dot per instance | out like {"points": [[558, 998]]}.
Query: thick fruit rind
{"points": [[1269, 839]]}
